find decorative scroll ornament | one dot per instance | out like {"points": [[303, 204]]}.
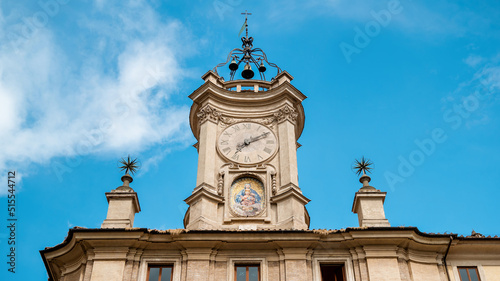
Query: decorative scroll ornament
{"points": [[212, 114], [286, 113], [283, 114]]}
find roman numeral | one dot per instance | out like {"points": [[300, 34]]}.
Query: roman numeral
{"points": [[247, 159], [224, 142], [236, 128], [235, 157], [270, 142], [259, 157], [246, 126], [226, 150], [258, 128], [268, 150], [226, 134]]}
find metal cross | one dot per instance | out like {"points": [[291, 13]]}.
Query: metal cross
{"points": [[246, 14]]}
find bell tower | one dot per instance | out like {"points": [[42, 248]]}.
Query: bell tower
{"points": [[247, 133]]}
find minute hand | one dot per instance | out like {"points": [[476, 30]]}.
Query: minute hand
{"points": [[252, 139]]}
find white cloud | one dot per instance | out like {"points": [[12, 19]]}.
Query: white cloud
{"points": [[109, 93], [473, 60]]}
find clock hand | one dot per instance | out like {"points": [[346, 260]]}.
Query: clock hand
{"points": [[252, 139], [248, 141]]}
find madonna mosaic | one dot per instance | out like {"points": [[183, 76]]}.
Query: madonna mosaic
{"points": [[246, 197]]}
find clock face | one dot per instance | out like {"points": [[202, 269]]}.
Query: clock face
{"points": [[247, 143]]}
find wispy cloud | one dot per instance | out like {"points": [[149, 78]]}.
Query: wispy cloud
{"points": [[432, 19], [470, 102], [104, 88]]}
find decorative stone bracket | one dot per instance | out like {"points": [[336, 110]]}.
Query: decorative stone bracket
{"points": [[286, 113], [210, 113]]}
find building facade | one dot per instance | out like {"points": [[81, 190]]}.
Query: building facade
{"points": [[247, 216]]}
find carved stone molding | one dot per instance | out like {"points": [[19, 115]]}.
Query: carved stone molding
{"points": [[283, 114], [220, 183], [273, 182], [286, 113], [210, 113]]}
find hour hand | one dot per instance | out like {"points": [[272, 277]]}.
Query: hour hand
{"points": [[240, 145]]}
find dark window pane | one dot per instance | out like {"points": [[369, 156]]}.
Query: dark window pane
{"points": [[332, 272], [463, 274], [166, 272], [241, 273], [154, 274], [253, 273], [473, 274]]}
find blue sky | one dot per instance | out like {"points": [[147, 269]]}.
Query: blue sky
{"points": [[411, 85]]}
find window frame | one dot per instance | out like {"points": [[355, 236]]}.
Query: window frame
{"points": [[343, 259], [468, 274], [161, 266], [247, 265], [238, 261], [454, 265], [147, 262]]}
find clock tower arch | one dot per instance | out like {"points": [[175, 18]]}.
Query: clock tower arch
{"points": [[247, 132]]}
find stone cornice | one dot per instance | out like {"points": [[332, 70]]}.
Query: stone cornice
{"points": [[203, 191], [244, 105], [291, 190]]}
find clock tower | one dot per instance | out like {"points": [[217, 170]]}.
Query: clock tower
{"points": [[247, 133]]}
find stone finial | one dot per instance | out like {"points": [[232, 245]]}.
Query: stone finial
{"points": [[126, 179], [365, 179], [368, 201], [123, 202]]}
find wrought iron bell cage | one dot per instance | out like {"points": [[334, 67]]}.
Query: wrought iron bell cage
{"points": [[247, 56]]}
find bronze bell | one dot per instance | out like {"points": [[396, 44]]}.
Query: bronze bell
{"points": [[262, 68], [247, 73], [233, 65]]}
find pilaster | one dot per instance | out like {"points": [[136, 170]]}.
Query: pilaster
{"points": [[291, 208], [208, 118], [203, 207], [286, 118]]}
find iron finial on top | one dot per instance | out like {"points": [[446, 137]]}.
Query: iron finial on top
{"points": [[129, 165], [362, 165], [248, 55]]}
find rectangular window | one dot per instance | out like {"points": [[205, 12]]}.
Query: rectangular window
{"points": [[160, 273], [468, 273], [332, 272], [247, 272]]}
